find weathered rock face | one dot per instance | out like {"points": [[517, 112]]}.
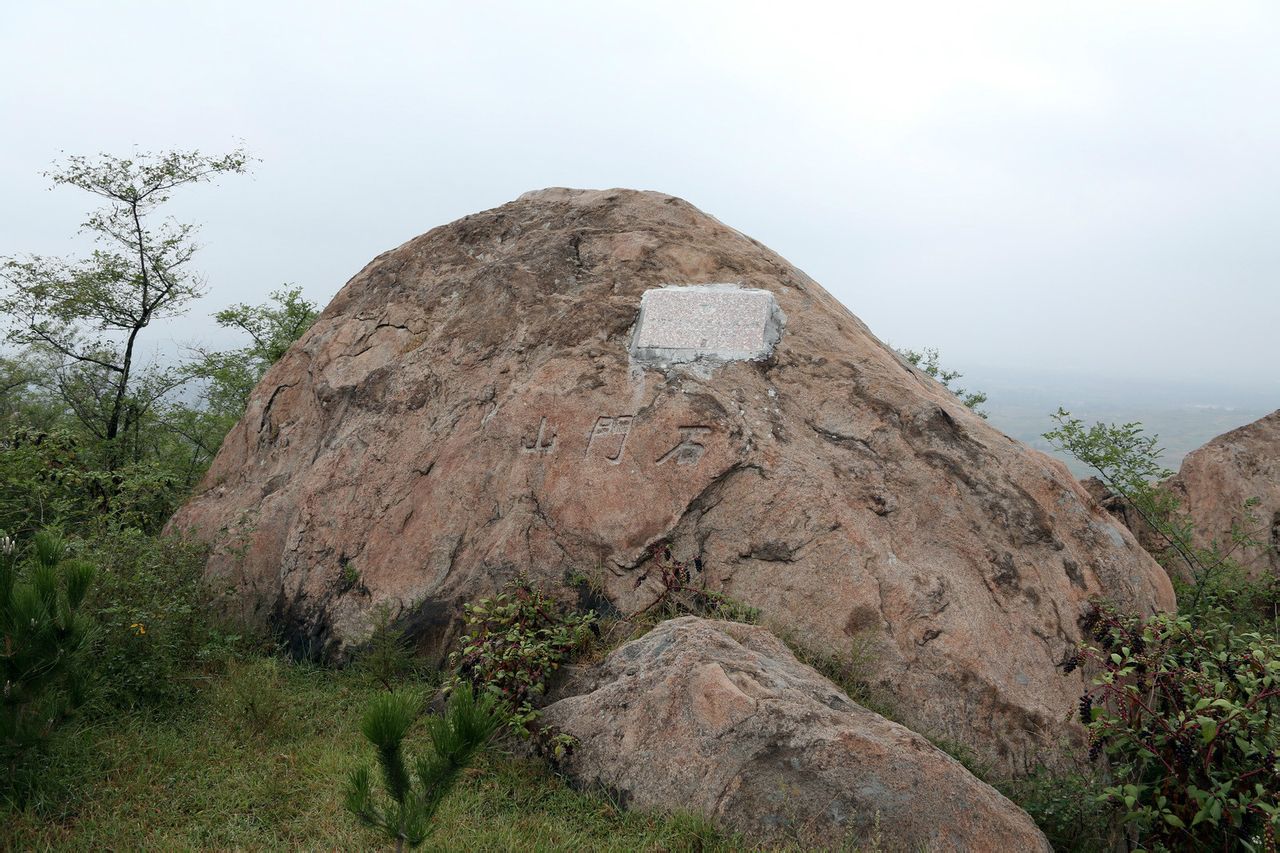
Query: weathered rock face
{"points": [[467, 408], [720, 718], [1148, 537], [1215, 481], [1212, 487]]}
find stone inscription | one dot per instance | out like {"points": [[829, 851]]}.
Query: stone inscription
{"points": [[608, 438], [543, 442], [689, 450]]}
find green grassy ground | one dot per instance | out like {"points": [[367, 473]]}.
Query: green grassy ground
{"points": [[257, 760]]}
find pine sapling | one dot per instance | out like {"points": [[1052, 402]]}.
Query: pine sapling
{"points": [[468, 723], [43, 640]]}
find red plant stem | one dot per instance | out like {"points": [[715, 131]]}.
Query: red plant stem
{"points": [[1136, 698]]}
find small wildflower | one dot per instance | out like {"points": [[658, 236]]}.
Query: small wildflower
{"points": [[138, 629], [7, 546]]}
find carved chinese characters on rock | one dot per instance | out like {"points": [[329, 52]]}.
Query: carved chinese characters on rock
{"points": [[608, 439], [543, 442], [689, 450]]}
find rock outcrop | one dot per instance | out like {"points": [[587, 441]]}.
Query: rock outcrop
{"points": [[720, 718], [1212, 487], [468, 408], [1215, 481]]}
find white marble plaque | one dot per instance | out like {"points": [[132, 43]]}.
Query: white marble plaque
{"points": [[713, 322]]}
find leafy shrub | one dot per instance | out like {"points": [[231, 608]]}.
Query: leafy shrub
{"points": [[41, 481], [1070, 808], [52, 476], [44, 638], [1127, 461], [514, 642], [468, 723], [1188, 717], [930, 362], [1228, 596], [152, 607]]}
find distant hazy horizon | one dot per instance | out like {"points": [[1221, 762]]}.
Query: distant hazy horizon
{"points": [[1182, 415]]}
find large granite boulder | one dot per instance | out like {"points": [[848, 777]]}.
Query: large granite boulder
{"points": [[1215, 481], [720, 718], [480, 403], [1212, 488]]}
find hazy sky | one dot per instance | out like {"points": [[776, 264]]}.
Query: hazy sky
{"points": [[1083, 186]]}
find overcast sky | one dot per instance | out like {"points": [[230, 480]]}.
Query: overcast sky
{"points": [[1088, 187]]}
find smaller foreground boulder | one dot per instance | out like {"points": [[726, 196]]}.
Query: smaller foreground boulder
{"points": [[720, 718]]}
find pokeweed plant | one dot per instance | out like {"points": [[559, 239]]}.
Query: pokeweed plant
{"points": [[1189, 718], [513, 643], [684, 593]]}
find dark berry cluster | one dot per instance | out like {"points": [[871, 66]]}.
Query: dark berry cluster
{"points": [[675, 574], [1182, 751], [1086, 708]]}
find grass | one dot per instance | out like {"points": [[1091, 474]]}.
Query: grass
{"points": [[852, 669], [257, 761]]}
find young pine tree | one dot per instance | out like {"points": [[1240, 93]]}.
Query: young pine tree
{"points": [[43, 641], [468, 723]]}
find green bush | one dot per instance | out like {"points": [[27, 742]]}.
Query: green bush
{"points": [[1187, 716], [514, 642], [44, 638], [1070, 807], [156, 633], [1228, 596], [930, 363], [53, 475], [42, 480], [1183, 706], [1127, 461], [252, 693]]}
